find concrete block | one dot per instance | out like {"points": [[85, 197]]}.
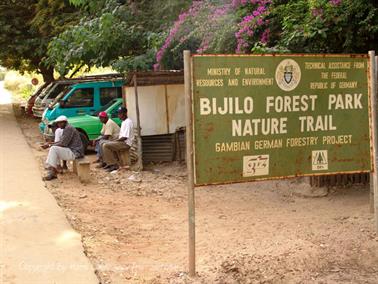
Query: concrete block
{"points": [[83, 171]]}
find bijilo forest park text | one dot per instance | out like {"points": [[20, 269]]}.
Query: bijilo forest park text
{"points": [[259, 117]]}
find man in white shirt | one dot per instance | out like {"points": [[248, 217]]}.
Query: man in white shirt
{"points": [[58, 133], [111, 149]]}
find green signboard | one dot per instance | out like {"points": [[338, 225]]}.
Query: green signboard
{"points": [[264, 117]]}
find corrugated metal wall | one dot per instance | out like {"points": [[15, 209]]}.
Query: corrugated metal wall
{"points": [[162, 148], [339, 180], [158, 148], [180, 144]]}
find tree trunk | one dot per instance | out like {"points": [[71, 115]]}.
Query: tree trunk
{"points": [[76, 70], [47, 73]]}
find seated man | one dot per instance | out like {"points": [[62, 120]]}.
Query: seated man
{"points": [[123, 143], [68, 148], [58, 132], [109, 132]]}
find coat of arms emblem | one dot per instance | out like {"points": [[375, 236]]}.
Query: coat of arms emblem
{"points": [[288, 75]]}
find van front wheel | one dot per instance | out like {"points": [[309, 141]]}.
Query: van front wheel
{"points": [[84, 140]]}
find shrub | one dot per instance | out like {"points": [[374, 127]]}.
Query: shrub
{"points": [[20, 85]]}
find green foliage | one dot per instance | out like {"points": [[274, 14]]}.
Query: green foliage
{"points": [[173, 57], [95, 42], [20, 84], [140, 62], [17, 37], [158, 15], [350, 26], [208, 27], [122, 34], [54, 16], [26, 92], [128, 35], [296, 26], [26, 27]]}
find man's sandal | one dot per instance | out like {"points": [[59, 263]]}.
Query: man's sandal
{"points": [[49, 176], [59, 169]]}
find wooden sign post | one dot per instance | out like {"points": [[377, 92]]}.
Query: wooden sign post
{"points": [[189, 162], [374, 174]]}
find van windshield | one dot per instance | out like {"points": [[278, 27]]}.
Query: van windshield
{"points": [[61, 88], [60, 95], [105, 107], [46, 90]]}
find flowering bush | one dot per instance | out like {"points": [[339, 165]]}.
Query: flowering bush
{"points": [[253, 27], [245, 26], [216, 27], [330, 26], [172, 36]]}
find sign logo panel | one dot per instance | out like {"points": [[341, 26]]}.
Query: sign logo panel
{"points": [[255, 165]]}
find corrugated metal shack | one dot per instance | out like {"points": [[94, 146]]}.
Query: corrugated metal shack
{"points": [[161, 112]]}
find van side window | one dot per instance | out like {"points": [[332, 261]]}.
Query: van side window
{"points": [[81, 98], [114, 113], [108, 94]]}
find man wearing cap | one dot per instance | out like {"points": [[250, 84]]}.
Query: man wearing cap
{"points": [[68, 148], [109, 132], [58, 132], [123, 143]]}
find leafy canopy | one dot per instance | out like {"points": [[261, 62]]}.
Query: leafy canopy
{"points": [[122, 34], [26, 27]]}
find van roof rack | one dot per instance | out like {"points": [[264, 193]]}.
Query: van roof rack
{"points": [[101, 77], [91, 78]]}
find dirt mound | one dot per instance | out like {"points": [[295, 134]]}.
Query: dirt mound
{"points": [[291, 268]]}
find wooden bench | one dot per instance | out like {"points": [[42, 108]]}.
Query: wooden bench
{"points": [[81, 167]]}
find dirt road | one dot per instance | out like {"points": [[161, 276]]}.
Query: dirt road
{"points": [[5, 95], [37, 245], [134, 228]]}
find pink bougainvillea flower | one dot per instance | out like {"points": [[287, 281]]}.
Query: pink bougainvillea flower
{"points": [[251, 23], [317, 12], [335, 2]]}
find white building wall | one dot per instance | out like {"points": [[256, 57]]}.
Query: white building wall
{"points": [[157, 115], [176, 107]]}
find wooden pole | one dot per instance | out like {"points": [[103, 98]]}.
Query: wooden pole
{"points": [[139, 138], [373, 125], [189, 163], [373, 92], [166, 106]]}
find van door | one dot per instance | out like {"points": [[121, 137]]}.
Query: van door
{"points": [[113, 114], [80, 102], [108, 94]]}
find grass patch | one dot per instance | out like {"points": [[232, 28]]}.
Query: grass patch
{"points": [[20, 85]]}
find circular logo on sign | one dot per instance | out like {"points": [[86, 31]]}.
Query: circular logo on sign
{"points": [[288, 75]]}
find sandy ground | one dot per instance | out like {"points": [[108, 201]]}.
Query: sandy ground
{"points": [[5, 95], [134, 228], [37, 244]]}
